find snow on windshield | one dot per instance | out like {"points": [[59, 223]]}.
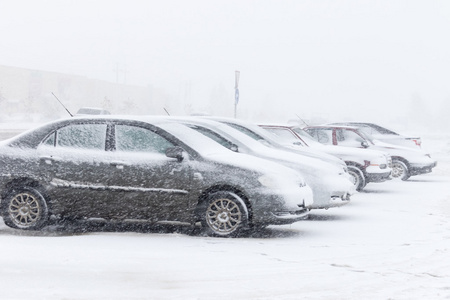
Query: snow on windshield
{"points": [[203, 145]]}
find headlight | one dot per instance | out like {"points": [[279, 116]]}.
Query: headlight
{"points": [[275, 183]]}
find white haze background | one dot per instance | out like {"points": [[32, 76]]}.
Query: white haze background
{"points": [[383, 61]]}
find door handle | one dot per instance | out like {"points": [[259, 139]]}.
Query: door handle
{"points": [[49, 159]]}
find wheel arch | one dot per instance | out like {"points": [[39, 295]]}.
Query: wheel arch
{"points": [[357, 165], [361, 173], [22, 182], [402, 159], [222, 188]]}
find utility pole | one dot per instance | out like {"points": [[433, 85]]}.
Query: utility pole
{"points": [[118, 70], [236, 91]]}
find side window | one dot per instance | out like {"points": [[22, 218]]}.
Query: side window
{"points": [[50, 140], [81, 136], [348, 138], [137, 139], [324, 136]]}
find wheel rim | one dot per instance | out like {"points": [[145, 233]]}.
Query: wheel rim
{"points": [[223, 216], [397, 170], [24, 210]]}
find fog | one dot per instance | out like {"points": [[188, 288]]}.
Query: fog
{"points": [[384, 61]]}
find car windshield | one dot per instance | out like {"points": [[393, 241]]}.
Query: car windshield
{"points": [[366, 135], [258, 134], [202, 144], [285, 135], [212, 135], [306, 137], [370, 128]]}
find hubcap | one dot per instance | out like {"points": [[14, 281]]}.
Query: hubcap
{"points": [[24, 210], [397, 170], [223, 216]]}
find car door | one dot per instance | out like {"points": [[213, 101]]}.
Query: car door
{"points": [[73, 157], [147, 184]]}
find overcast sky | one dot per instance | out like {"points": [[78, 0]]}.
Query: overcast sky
{"points": [[295, 57]]}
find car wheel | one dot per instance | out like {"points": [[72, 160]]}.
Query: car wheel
{"points": [[358, 178], [25, 208], [225, 215], [399, 170]]}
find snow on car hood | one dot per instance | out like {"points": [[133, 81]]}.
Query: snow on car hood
{"points": [[213, 151]]}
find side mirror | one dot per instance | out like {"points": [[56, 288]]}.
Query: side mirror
{"points": [[175, 152], [364, 144]]}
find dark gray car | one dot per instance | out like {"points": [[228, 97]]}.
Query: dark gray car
{"points": [[122, 168]]}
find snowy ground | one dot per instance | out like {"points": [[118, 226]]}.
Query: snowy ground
{"points": [[391, 242]]}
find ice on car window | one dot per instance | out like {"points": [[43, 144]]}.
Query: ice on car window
{"points": [[83, 136], [50, 141]]}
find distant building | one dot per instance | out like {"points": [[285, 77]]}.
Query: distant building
{"points": [[26, 95]]}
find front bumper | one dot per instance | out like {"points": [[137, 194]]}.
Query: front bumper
{"points": [[335, 201], [378, 177], [288, 217], [286, 207], [421, 169]]}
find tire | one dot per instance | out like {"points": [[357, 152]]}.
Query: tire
{"points": [[225, 215], [358, 178], [25, 208], [400, 170]]}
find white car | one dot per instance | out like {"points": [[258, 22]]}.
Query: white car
{"points": [[406, 162], [330, 183], [363, 165], [385, 135]]}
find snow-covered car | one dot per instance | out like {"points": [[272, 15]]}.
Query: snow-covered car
{"points": [[363, 165], [330, 183], [385, 135], [406, 162], [142, 169]]}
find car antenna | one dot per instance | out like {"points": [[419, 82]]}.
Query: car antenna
{"points": [[62, 104], [301, 120], [166, 111]]}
